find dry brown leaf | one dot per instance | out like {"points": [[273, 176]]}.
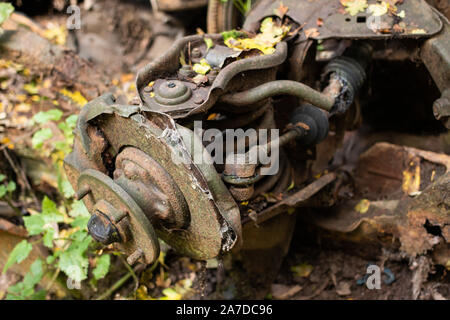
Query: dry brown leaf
{"points": [[312, 32], [283, 292], [319, 22], [281, 10]]}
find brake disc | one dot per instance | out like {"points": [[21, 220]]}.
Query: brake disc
{"points": [[108, 201]]}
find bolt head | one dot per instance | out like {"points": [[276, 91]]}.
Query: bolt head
{"points": [[102, 229]]}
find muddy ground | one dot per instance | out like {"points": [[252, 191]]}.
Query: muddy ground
{"points": [[119, 37]]}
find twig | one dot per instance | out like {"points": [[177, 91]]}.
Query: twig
{"points": [[21, 174], [118, 284], [52, 280], [129, 269]]}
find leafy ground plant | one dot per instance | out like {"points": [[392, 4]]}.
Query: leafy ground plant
{"points": [[59, 226]]}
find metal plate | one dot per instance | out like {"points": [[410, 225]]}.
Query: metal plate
{"points": [[418, 15], [143, 236], [208, 234]]}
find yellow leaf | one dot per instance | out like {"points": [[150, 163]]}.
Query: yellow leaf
{"points": [[354, 6], [56, 34], [23, 107], [363, 206], [265, 41], [76, 96], [291, 186], [401, 14], [202, 68], [418, 31], [302, 270], [411, 180], [378, 9], [171, 294], [31, 88]]}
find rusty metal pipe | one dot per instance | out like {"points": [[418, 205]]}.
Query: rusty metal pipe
{"points": [[279, 87]]}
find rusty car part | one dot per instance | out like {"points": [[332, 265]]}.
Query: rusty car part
{"points": [[137, 164], [278, 88], [183, 99], [344, 26], [180, 192]]}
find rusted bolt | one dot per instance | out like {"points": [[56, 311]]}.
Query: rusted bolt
{"points": [[102, 229], [82, 192], [186, 71], [196, 53], [441, 111], [134, 257], [198, 99], [172, 92], [441, 108]]}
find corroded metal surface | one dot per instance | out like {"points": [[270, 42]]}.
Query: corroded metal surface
{"points": [[143, 235], [164, 71], [156, 135], [419, 15]]}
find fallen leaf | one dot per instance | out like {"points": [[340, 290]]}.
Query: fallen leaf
{"points": [[411, 178], [56, 34], [319, 22], [76, 97], [363, 206], [302, 270], [378, 9], [202, 68], [200, 79], [418, 31], [209, 43], [354, 6], [312, 33], [401, 14], [343, 288], [265, 41], [283, 292], [281, 10]]}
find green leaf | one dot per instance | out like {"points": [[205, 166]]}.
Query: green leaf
{"points": [[40, 137], [11, 186], [18, 254], [34, 224], [39, 223], [73, 262], [71, 121], [232, 34], [3, 191], [46, 116], [209, 43], [64, 186], [25, 289], [34, 275], [5, 11], [102, 268], [2, 177], [47, 239], [80, 222], [79, 210], [40, 295]]}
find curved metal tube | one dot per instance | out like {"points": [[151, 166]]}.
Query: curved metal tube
{"points": [[279, 87]]}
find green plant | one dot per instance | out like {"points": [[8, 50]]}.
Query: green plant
{"points": [[5, 11], [60, 226], [243, 6]]}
